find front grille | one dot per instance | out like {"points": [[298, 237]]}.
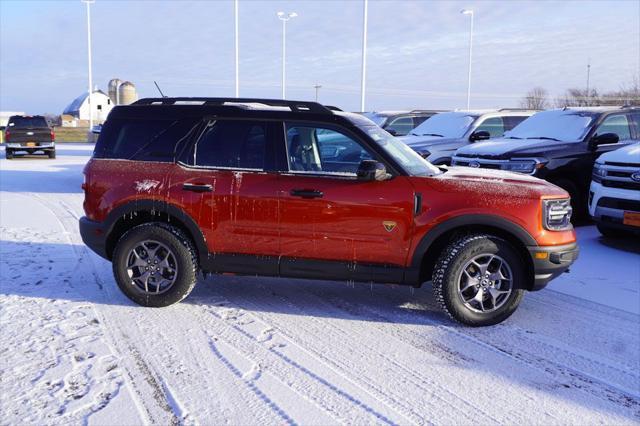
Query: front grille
{"points": [[618, 175], [615, 203], [621, 184]]}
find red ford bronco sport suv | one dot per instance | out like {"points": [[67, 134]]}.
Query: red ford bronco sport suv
{"points": [[295, 189]]}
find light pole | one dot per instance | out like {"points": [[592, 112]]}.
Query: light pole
{"points": [[469, 12], [237, 55], [364, 56], [284, 17], [88, 3], [317, 87]]}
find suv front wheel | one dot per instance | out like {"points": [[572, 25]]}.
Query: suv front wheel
{"points": [[478, 280], [155, 264]]}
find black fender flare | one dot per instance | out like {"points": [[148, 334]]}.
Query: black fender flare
{"points": [[172, 211], [412, 276]]}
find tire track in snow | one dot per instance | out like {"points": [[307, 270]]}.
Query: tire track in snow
{"points": [[287, 371], [305, 336], [522, 346]]}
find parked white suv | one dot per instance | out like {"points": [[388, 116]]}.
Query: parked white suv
{"points": [[614, 196]]}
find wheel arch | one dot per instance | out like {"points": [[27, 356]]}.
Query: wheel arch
{"points": [[438, 238], [134, 213]]}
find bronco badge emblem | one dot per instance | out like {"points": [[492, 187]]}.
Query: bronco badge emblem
{"points": [[389, 225]]}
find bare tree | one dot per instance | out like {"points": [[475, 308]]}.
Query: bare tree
{"points": [[536, 98], [578, 97]]}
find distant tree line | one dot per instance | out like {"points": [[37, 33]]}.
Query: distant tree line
{"points": [[538, 97]]}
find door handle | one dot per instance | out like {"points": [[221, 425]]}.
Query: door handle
{"points": [[306, 193], [197, 187]]}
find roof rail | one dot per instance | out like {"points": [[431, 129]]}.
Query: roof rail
{"points": [[295, 106], [332, 108], [428, 110], [517, 109]]}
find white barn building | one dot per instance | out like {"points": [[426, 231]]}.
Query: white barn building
{"points": [[99, 107]]}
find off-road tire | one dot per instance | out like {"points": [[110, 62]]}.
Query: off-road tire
{"points": [[52, 154], [8, 153], [611, 232], [183, 250], [449, 267]]}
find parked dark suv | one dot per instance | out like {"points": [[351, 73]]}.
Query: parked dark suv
{"points": [[560, 146], [285, 188], [29, 134], [400, 123]]}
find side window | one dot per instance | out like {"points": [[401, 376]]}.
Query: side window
{"points": [[618, 124], [235, 144], [512, 121], [318, 149], [494, 125], [400, 126], [144, 140]]}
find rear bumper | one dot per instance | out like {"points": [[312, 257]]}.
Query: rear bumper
{"points": [[23, 146], [94, 236], [551, 261]]}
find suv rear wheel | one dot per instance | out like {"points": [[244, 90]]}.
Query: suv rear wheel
{"points": [[8, 153], [477, 280], [155, 264], [52, 154]]}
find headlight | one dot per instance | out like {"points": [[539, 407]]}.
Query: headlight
{"points": [[557, 214], [523, 166], [598, 173]]}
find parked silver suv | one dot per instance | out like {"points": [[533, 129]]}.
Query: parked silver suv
{"points": [[439, 137]]}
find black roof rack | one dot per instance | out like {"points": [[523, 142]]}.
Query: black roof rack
{"points": [[295, 106], [332, 108]]}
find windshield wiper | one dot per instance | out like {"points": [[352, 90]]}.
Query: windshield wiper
{"points": [[512, 137], [544, 138], [432, 134]]}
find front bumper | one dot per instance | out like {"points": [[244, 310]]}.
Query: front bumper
{"points": [[94, 236], [551, 261], [607, 205], [23, 146]]}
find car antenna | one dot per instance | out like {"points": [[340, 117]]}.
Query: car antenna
{"points": [[159, 90]]}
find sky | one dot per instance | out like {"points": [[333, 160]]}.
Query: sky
{"points": [[417, 53]]}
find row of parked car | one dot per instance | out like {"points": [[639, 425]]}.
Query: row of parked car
{"points": [[570, 147]]}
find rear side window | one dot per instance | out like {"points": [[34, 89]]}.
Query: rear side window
{"points": [[143, 140], [512, 121], [27, 122], [400, 126], [235, 144]]}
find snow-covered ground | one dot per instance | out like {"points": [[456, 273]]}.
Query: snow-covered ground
{"points": [[266, 351]]}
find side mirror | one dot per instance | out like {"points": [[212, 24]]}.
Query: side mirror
{"points": [[371, 170], [479, 135], [392, 132], [604, 139]]}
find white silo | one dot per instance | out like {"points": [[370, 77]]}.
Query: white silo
{"points": [[127, 93], [113, 90]]}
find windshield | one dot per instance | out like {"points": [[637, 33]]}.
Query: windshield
{"points": [[413, 163], [559, 125], [446, 125], [378, 119]]}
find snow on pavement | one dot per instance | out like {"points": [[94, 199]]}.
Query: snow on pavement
{"points": [[247, 350]]}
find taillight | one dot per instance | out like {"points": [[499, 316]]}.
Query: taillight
{"points": [[53, 135], [7, 135]]}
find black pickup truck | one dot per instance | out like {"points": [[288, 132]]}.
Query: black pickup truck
{"points": [[29, 134]]}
